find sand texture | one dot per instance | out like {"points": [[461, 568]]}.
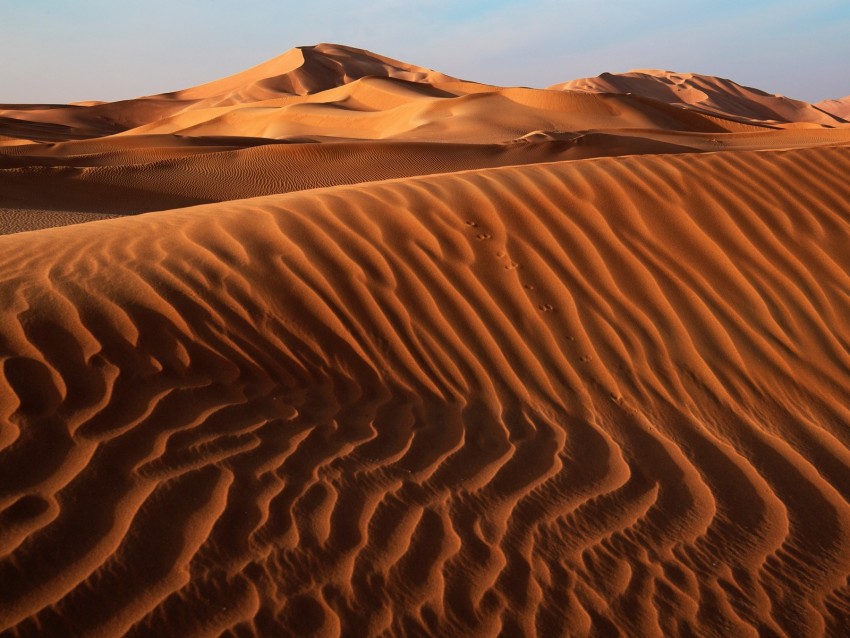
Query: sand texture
{"points": [[707, 94], [584, 373], [840, 108]]}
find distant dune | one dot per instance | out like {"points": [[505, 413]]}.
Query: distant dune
{"points": [[839, 108], [401, 354], [707, 94]]}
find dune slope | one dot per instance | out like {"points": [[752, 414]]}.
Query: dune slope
{"points": [[334, 92], [600, 397], [305, 70], [106, 182], [839, 108], [298, 72], [56, 184], [707, 94]]}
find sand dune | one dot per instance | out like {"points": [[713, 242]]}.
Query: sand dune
{"points": [[379, 108], [401, 354], [306, 70], [708, 94], [300, 71], [45, 185], [105, 182], [839, 108], [329, 91], [333, 91], [561, 399]]}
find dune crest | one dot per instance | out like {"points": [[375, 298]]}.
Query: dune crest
{"points": [[401, 354], [331, 92], [839, 108], [329, 114], [298, 72], [307, 70], [706, 93], [443, 391]]}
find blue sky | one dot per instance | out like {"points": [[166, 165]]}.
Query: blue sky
{"points": [[71, 50]]}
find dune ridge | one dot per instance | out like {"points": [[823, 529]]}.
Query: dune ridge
{"points": [[403, 354], [335, 91], [839, 107], [306, 70], [706, 93], [591, 397], [108, 182], [77, 182], [299, 71], [330, 114]]}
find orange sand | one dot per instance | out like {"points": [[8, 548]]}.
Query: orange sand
{"points": [[839, 108], [406, 355]]}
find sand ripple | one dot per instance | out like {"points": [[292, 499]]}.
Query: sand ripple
{"points": [[605, 397]]}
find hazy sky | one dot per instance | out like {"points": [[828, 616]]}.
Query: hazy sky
{"points": [[72, 50]]}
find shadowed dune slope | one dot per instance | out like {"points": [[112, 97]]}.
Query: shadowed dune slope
{"points": [[299, 71], [101, 183], [709, 94], [306, 70], [328, 92], [602, 397], [42, 185], [839, 108], [389, 108], [334, 92]]}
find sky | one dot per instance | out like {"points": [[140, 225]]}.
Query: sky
{"points": [[58, 51]]}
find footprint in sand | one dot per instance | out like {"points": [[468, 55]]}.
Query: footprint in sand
{"points": [[471, 223], [481, 236], [546, 307]]}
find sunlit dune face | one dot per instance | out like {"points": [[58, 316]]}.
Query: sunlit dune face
{"points": [[353, 347]]}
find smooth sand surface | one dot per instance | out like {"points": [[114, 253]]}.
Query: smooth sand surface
{"points": [[840, 108], [709, 94], [521, 376]]}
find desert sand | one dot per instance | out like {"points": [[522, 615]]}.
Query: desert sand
{"points": [[357, 348], [840, 107]]}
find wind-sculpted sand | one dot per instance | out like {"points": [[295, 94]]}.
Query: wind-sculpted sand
{"points": [[567, 399], [571, 383], [840, 108], [88, 183], [706, 94]]}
